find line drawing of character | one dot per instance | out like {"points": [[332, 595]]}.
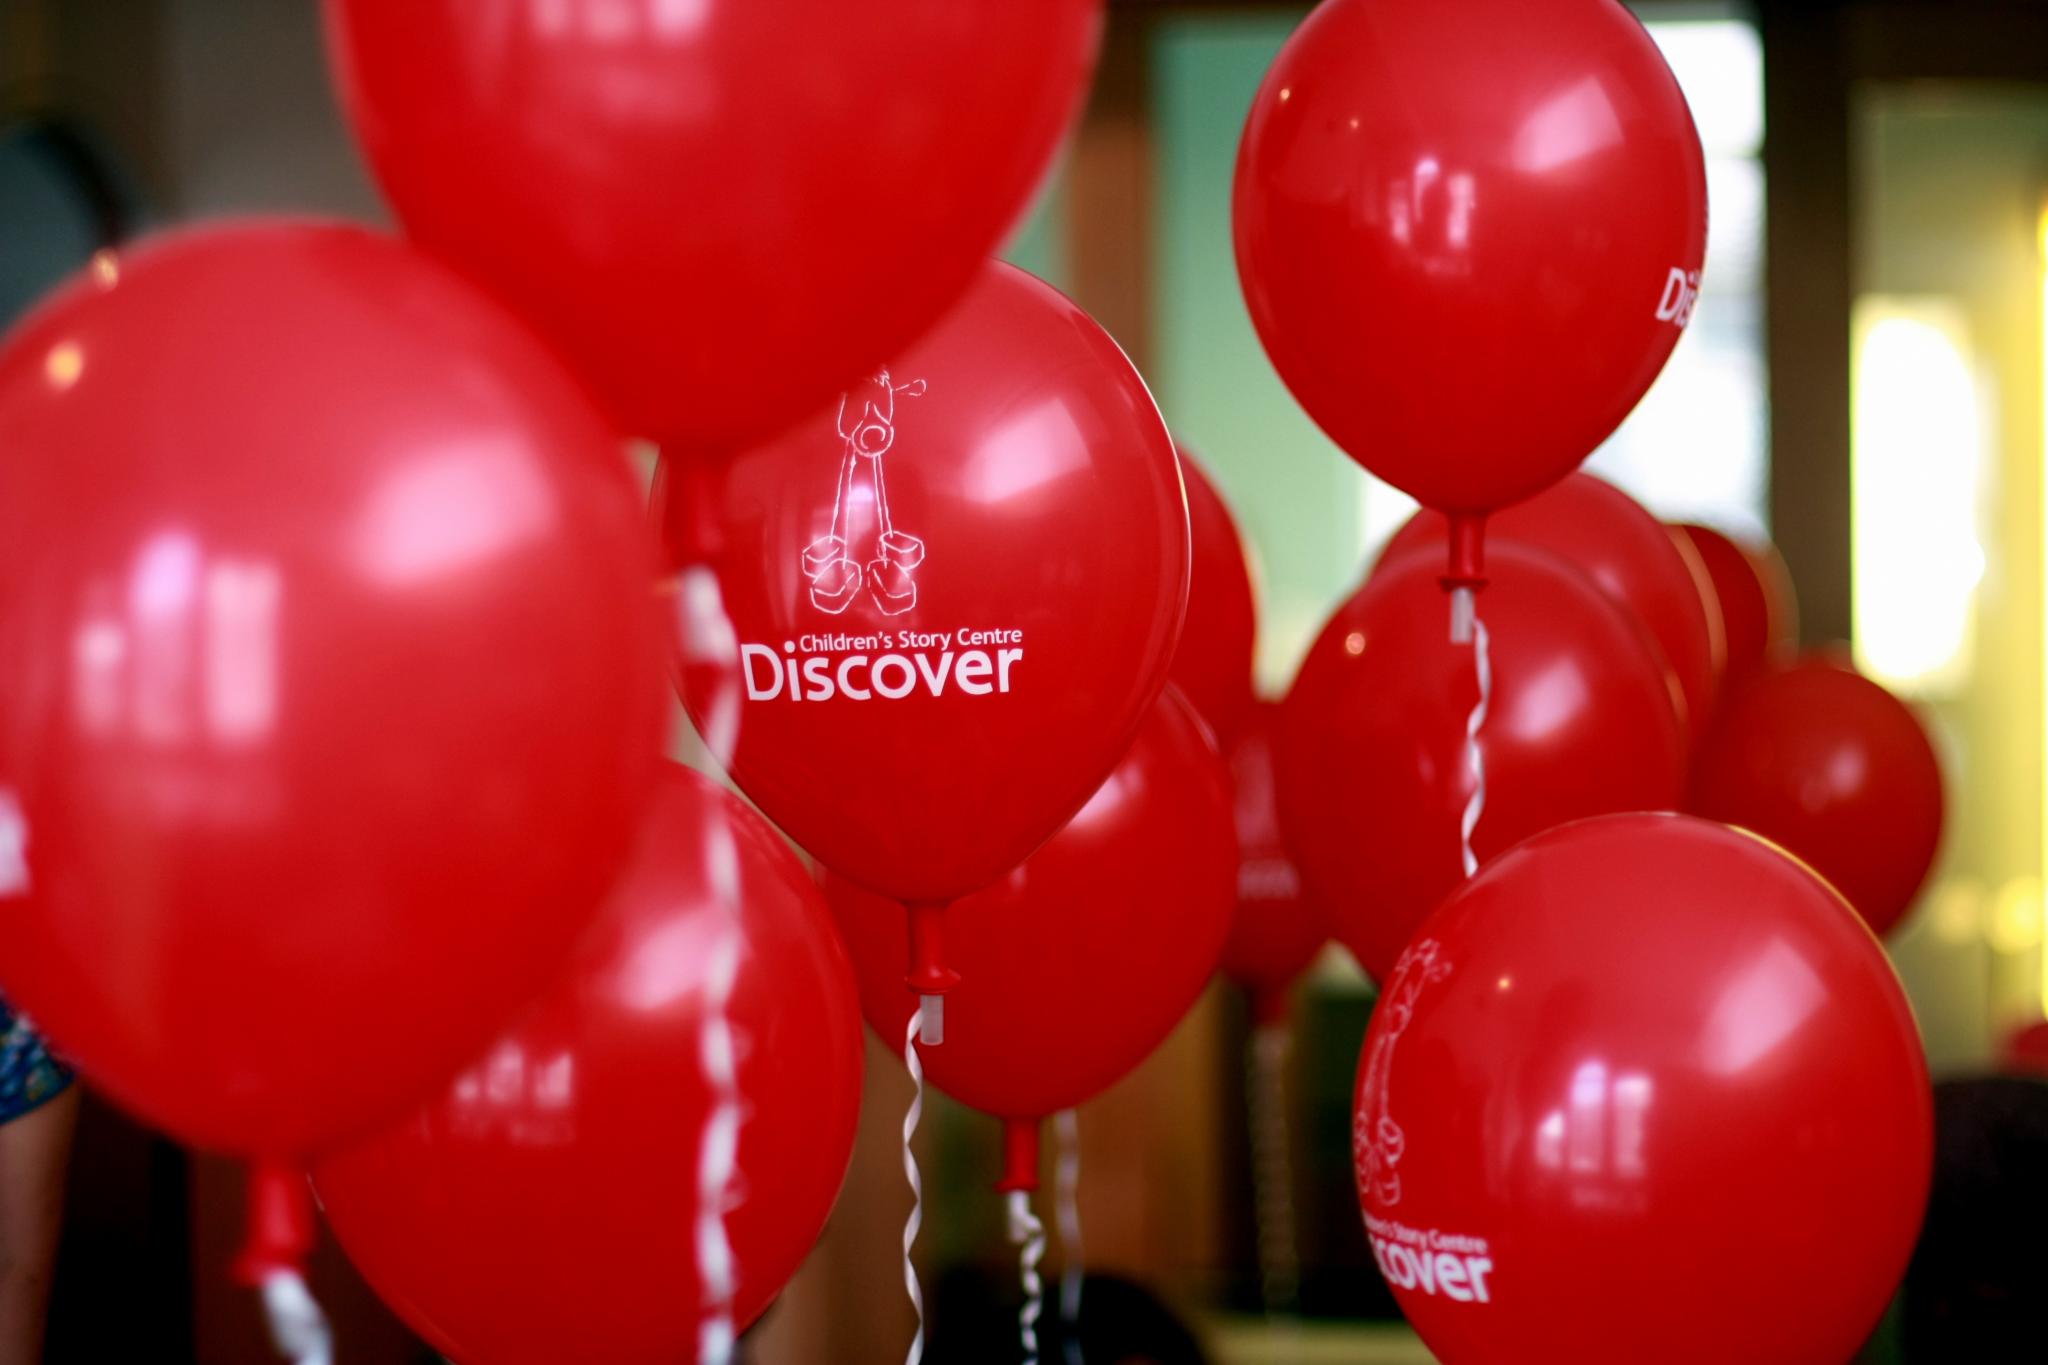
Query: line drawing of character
{"points": [[1377, 1142], [867, 428]]}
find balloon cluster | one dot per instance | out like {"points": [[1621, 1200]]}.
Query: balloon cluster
{"points": [[334, 831], [1469, 236]]}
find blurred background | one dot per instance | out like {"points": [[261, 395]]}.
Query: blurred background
{"points": [[1864, 381]]}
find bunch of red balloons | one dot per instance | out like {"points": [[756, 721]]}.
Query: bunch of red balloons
{"points": [[1469, 236], [334, 831]]}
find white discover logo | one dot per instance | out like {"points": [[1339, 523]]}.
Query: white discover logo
{"points": [[890, 675]]}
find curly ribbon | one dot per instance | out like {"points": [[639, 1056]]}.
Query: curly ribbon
{"points": [[1067, 1206], [1272, 1173], [1475, 760], [1028, 1233], [708, 638], [916, 1219], [298, 1328]]}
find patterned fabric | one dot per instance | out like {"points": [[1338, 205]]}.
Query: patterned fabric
{"points": [[30, 1074]]}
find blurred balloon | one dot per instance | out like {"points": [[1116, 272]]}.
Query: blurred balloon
{"points": [[1277, 930], [724, 211], [2025, 1052], [954, 598], [1759, 614], [1607, 535], [1644, 1090], [1213, 666], [1079, 963], [1469, 236], [1371, 754], [1973, 1290], [1835, 769], [546, 1207], [329, 676]]}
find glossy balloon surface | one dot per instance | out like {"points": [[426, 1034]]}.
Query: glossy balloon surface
{"points": [[1278, 928], [955, 595], [722, 210], [1371, 758], [1836, 770], [329, 676], [1470, 234], [1213, 666], [1608, 536], [1079, 963], [546, 1207], [1751, 586], [1644, 1090]]}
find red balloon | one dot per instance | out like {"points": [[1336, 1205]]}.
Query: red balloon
{"points": [[954, 596], [722, 210], [1470, 235], [1213, 666], [1644, 1090], [546, 1207], [1371, 755], [1835, 769], [329, 676], [1607, 535], [1079, 963], [2025, 1052], [1278, 929], [1750, 585]]}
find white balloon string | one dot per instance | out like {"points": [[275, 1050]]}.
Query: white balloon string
{"points": [[1028, 1233], [708, 639], [298, 1328], [1272, 1171], [911, 1224], [1475, 759], [1067, 1210]]}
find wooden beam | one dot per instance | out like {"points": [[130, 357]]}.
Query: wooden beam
{"points": [[1809, 269]]}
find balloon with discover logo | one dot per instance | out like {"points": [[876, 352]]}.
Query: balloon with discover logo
{"points": [[954, 595], [1644, 1090], [1469, 235]]}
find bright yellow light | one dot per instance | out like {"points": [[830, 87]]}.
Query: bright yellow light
{"points": [[63, 365], [1917, 449], [2014, 924]]}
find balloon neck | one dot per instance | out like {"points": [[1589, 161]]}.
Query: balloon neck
{"points": [[1020, 1157], [1465, 572], [279, 1235], [929, 976]]}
